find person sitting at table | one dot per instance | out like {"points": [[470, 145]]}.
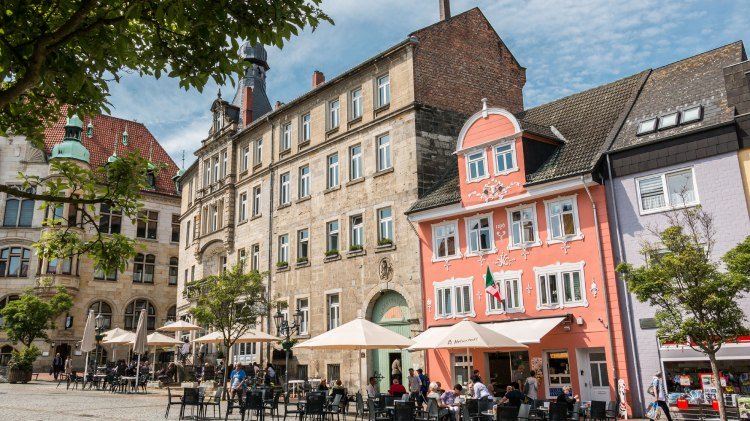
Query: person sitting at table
{"points": [[339, 389], [513, 397], [237, 383], [207, 373], [567, 397], [449, 398], [323, 385], [372, 388], [397, 389], [433, 393], [480, 390], [166, 375]]}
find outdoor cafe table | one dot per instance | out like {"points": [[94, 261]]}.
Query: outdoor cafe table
{"points": [[131, 383], [99, 377], [295, 384]]}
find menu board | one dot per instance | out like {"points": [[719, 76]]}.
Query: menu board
{"points": [[743, 402], [710, 390]]}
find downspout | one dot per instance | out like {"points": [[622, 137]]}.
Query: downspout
{"points": [[270, 236], [604, 283], [627, 298], [422, 287]]}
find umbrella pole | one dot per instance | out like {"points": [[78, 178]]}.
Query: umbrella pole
{"points": [[469, 362], [137, 372], [86, 367], [359, 380]]}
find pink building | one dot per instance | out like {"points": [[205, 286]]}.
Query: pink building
{"points": [[526, 202]]}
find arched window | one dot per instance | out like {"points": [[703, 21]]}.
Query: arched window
{"points": [[172, 314], [173, 270], [101, 307], [14, 262], [4, 301], [143, 270], [133, 311], [18, 212]]}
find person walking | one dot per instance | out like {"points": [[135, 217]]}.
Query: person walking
{"points": [[396, 370], [414, 385], [68, 366], [425, 385], [531, 388], [659, 391], [57, 365], [237, 383]]}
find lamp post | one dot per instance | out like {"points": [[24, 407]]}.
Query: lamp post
{"points": [[99, 324], [286, 330]]}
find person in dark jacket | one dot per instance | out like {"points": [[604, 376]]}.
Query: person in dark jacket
{"points": [[513, 397], [58, 365], [567, 397]]}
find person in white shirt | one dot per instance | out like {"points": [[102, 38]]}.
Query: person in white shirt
{"points": [[372, 389], [414, 384], [660, 393], [531, 388], [480, 390]]}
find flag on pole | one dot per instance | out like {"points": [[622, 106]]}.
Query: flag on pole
{"points": [[490, 287]]}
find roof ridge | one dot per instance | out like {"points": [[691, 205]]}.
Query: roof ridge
{"points": [[700, 54], [447, 20]]}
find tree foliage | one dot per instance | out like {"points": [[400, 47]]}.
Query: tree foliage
{"points": [[696, 300], [30, 317]]}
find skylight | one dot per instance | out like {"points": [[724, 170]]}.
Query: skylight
{"points": [[692, 114], [646, 126], [669, 120]]}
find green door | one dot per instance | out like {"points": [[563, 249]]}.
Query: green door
{"points": [[391, 312]]}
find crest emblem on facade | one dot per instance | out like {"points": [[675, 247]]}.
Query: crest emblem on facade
{"points": [[385, 269]]}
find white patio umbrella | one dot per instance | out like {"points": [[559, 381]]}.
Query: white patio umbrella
{"points": [[465, 335], [112, 333], [139, 344], [248, 337], [159, 340], [88, 342], [358, 334], [123, 339], [179, 326]]}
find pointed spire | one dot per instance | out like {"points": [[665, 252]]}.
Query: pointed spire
{"points": [[183, 159], [125, 135], [218, 95], [114, 150]]}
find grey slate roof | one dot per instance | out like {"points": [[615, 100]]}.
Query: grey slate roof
{"points": [[683, 84]]}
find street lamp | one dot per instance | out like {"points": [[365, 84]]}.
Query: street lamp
{"points": [[99, 324], [286, 330]]}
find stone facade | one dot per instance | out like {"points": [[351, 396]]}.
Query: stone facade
{"points": [[374, 185], [18, 155]]}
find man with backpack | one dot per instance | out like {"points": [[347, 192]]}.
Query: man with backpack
{"points": [[425, 386], [531, 388]]}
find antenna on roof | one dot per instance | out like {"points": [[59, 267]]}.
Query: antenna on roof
{"points": [[183, 159], [125, 135]]}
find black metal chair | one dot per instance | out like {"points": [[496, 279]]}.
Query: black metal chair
{"points": [[335, 407], [575, 414], [272, 405], [374, 414], [507, 413], [431, 413], [466, 414], [359, 407], [403, 411], [598, 411], [611, 411], [316, 405], [214, 401], [172, 400], [191, 397], [295, 410], [558, 411], [253, 403]]}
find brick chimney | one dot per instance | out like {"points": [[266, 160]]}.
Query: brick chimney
{"points": [[445, 9], [318, 78], [247, 106]]}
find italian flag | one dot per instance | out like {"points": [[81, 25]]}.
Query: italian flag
{"points": [[490, 287]]}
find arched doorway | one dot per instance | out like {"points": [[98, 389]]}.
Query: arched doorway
{"points": [[392, 312], [5, 353]]}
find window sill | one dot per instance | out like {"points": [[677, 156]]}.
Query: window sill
{"points": [[667, 208], [332, 189], [258, 165], [243, 222], [303, 144], [285, 152], [382, 108], [282, 268], [565, 239], [506, 172], [304, 264], [509, 311], [355, 253], [332, 131], [143, 283], [443, 259], [258, 216], [172, 285], [303, 199], [285, 205], [244, 173], [383, 172], [527, 246], [355, 181], [332, 258], [384, 248], [151, 240], [303, 336], [479, 253], [455, 315], [477, 180], [354, 121]]}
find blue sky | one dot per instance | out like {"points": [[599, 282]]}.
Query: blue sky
{"points": [[566, 46]]}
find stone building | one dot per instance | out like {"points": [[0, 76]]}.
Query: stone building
{"points": [[313, 193], [149, 281]]}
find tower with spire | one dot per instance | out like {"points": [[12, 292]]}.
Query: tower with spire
{"points": [[251, 96], [72, 146]]}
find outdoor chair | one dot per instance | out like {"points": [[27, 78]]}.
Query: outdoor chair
{"points": [[316, 405], [253, 403], [524, 413], [172, 400], [191, 397], [292, 408], [611, 410], [375, 414], [214, 401], [466, 410], [334, 408], [405, 397], [359, 407], [598, 410], [272, 404], [432, 412], [558, 411], [575, 414], [389, 400], [403, 411], [507, 413]]}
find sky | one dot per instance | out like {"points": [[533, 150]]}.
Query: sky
{"points": [[567, 46]]}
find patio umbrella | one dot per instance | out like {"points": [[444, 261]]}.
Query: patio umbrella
{"points": [[88, 342], [139, 344], [112, 333], [248, 337], [465, 335], [125, 338], [178, 326], [159, 340], [359, 334]]}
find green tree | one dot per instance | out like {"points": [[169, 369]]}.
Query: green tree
{"points": [[696, 300], [231, 302]]}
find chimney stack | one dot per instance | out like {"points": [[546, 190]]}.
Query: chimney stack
{"points": [[247, 106], [278, 105], [445, 9], [318, 78]]}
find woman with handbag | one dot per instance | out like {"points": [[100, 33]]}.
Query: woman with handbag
{"points": [[659, 391]]}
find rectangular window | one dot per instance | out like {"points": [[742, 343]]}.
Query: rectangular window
{"points": [[445, 240], [333, 114], [444, 301], [692, 114], [214, 217], [255, 257], [245, 158], [110, 220], [548, 295], [668, 190], [384, 152], [385, 225], [384, 90], [332, 236], [332, 179], [334, 314], [303, 245], [480, 235], [215, 174], [105, 276], [206, 173], [647, 126], [241, 258], [258, 153], [192, 273], [523, 227], [224, 163], [511, 291], [355, 162], [562, 219], [175, 228], [242, 211], [477, 167], [285, 195], [356, 103], [561, 285], [286, 137], [147, 224], [463, 299], [256, 201], [303, 305], [284, 248], [334, 372], [187, 234], [356, 236], [305, 133], [173, 270], [505, 160], [190, 192], [304, 181], [454, 299], [572, 287]]}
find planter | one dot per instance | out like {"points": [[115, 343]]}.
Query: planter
{"points": [[16, 375]]}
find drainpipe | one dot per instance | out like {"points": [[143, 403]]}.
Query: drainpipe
{"points": [[271, 200], [421, 286], [604, 283], [627, 298]]}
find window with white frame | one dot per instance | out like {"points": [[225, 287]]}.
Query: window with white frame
{"points": [[505, 157], [214, 217], [384, 152], [523, 228], [384, 90], [18, 212], [206, 173], [561, 285], [356, 103], [479, 232], [355, 162], [445, 240], [332, 236], [303, 245], [562, 219], [332, 177], [333, 114], [476, 165], [255, 257], [303, 305], [668, 190], [356, 235], [256, 201], [454, 298], [511, 291], [224, 163], [305, 133], [334, 311], [304, 181], [243, 207], [286, 136], [258, 152], [284, 248], [385, 225], [245, 158], [215, 174], [285, 194]]}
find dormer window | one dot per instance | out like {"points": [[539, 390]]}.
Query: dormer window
{"points": [[646, 126], [505, 159], [151, 179], [217, 121], [90, 130], [476, 165], [669, 120], [691, 115]]}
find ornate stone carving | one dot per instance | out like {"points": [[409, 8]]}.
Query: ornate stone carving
{"points": [[385, 269]]}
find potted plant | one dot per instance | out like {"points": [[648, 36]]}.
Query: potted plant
{"points": [[355, 248], [332, 253], [281, 265], [302, 260], [384, 242], [21, 364]]}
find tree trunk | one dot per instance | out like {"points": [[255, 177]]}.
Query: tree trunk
{"points": [[719, 391]]}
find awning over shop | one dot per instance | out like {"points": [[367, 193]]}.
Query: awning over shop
{"points": [[527, 331], [737, 351]]}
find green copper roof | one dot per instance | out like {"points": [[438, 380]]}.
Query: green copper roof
{"points": [[71, 146]]}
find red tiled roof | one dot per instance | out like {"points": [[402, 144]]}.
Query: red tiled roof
{"points": [[107, 130]]}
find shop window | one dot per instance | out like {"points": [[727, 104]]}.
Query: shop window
{"points": [[558, 375], [461, 365]]}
